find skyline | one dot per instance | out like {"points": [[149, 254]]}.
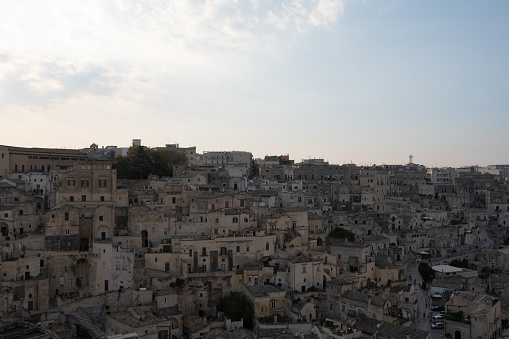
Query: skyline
{"points": [[346, 81]]}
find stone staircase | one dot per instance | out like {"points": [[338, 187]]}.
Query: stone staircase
{"points": [[84, 320]]}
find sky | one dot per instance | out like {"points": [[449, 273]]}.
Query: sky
{"points": [[367, 82]]}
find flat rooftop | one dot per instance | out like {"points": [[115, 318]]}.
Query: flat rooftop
{"points": [[446, 269]]}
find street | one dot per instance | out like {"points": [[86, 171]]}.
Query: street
{"points": [[423, 320]]}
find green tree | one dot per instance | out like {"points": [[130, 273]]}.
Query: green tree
{"points": [[255, 169], [426, 271], [141, 161], [342, 233], [122, 164], [163, 160], [236, 306]]}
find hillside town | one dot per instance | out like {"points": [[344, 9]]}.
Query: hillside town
{"points": [[95, 243]]}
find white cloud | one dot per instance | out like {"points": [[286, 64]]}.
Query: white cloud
{"points": [[326, 12], [60, 48], [35, 79]]}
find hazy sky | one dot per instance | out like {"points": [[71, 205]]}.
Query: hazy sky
{"points": [[362, 81]]}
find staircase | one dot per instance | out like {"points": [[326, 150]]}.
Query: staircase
{"points": [[83, 319]]}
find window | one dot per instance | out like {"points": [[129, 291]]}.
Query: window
{"points": [[84, 183], [71, 198], [235, 220], [101, 218], [273, 304], [167, 267], [190, 253], [238, 249], [303, 269], [83, 198], [267, 246], [71, 182], [204, 251], [66, 216], [102, 198], [67, 232], [102, 182], [262, 310]]}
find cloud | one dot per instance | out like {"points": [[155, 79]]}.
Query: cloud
{"points": [[59, 49], [34, 79]]}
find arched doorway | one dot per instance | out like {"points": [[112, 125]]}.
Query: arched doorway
{"points": [[103, 233], [457, 334], [144, 239], [82, 272], [175, 327], [83, 245], [319, 242], [4, 229]]}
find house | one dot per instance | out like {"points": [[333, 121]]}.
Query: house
{"points": [[471, 316], [354, 304], [268, 300]]}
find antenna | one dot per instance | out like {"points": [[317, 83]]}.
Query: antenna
{"points": [[410, 159]]}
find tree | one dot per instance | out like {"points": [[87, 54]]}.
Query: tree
{"points": [[141, 161], [163, 160], [461, 264], [426, 272], [238, 306], [342, 233], [122, 164], [255, 169]]}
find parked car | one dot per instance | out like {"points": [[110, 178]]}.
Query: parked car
{"points": [[438, 325], [438, 308], [438, 317]]}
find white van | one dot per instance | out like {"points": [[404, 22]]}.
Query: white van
{"points": [[438, 317], [438, 325]]}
